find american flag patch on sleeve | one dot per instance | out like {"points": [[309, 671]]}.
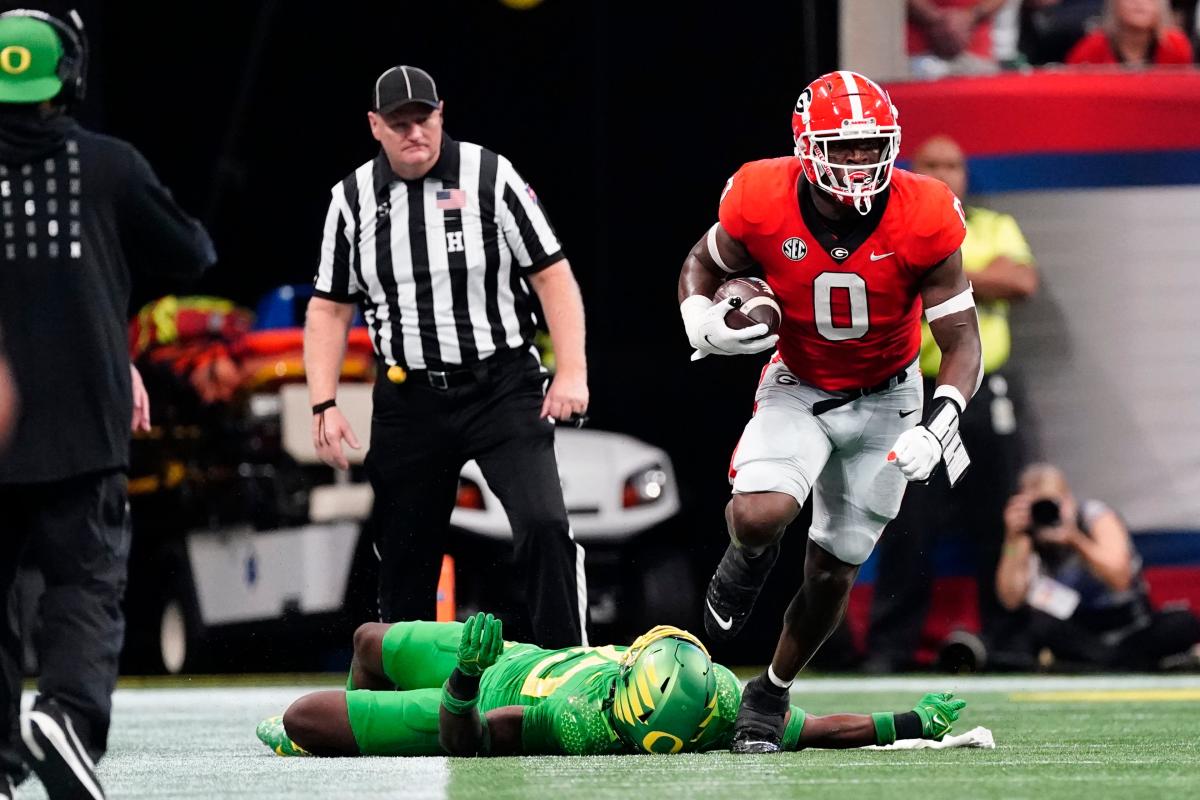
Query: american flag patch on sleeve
{"points": [[451, 199]]}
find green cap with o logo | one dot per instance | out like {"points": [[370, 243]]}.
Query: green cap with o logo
{"points": [[29, 54]]}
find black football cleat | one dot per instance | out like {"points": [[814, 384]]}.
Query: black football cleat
{"points": [[54, 751], [733, 589], [761, 719]]}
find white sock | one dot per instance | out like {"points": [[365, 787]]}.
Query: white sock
{"points": [[775, 679]]}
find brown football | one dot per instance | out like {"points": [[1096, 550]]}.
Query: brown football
{"points": [[754, 303]]}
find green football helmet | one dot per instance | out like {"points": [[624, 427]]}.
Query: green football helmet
{"points": [[666, 691]]}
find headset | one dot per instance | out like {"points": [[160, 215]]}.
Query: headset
{"points": [[72, 67]]}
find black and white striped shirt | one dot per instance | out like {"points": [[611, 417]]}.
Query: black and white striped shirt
{"points": [[438, 264]]}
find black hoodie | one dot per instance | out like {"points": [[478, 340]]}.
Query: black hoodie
{"points": [[77, 211]]}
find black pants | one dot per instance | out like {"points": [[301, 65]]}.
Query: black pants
{"points": [[975, 507], [420, 439], [77, 532], [1075, 645]]}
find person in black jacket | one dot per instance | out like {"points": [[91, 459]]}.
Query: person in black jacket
{"points": [[78, 211]]}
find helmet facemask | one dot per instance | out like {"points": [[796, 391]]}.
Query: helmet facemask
{"points": [[851, 184]]}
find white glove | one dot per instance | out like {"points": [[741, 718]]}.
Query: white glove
{"points": [[704, 322], [917, 453]]}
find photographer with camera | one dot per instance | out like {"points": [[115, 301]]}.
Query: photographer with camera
{"points": [[1073, 570]]}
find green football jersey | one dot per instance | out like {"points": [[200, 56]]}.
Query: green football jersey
{"points": [[568, 693]]}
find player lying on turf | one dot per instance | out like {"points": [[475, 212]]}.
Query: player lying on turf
{"points": [[464, 691]]}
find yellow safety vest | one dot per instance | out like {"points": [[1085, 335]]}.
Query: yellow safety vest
{"points": [[989, 234]]}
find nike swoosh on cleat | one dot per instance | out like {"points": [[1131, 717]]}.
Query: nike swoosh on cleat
{"points": [[725, 624], [906, 413]]}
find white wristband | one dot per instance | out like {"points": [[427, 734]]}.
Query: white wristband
{"points": [[947, 390]]}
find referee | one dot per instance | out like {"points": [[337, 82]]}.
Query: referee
{"points": [[439, 243]]}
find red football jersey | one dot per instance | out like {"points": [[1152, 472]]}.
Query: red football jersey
{"points": [[851, 303]]}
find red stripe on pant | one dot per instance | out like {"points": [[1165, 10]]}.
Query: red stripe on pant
{"points": [[774, 358]]}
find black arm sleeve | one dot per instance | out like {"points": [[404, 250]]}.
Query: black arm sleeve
{"points": [[162, 242]]}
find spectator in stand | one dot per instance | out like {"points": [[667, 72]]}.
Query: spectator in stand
{"points": [[1072, 569], [951, 37], [1136, 33], [1184, 12], [1050, 28]]}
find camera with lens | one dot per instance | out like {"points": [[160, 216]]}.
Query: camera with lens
{"points": [[1045, 513]]}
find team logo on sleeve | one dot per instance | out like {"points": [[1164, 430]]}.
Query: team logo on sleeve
{"points": [[795, 248]]}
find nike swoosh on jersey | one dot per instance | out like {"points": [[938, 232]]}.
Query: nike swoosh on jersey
{"points": [[881, 257], [725, 624], [906, 413]]}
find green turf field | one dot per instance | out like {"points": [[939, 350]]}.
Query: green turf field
{"points": [[1127, 738]]}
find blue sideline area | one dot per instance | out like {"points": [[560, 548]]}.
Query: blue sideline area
{"points": [[991, 174], [953, 556]]}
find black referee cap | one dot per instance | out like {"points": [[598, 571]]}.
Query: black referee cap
{"points": [[401, 85]]}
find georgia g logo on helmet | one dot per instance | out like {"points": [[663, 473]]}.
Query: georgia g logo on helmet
{"points": [[841, 107], [803, 101]]}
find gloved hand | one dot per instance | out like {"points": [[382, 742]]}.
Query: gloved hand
{"points": [[918, 450], [704, 322], [938, 713], [481, 644], [917, 453]]}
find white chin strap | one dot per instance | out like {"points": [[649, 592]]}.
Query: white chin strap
{"points": [[857, 192]]}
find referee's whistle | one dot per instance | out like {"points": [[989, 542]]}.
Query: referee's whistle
{"points": [[396, 374]]}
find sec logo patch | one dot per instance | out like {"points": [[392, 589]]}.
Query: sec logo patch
{"points": [[795, 248]]}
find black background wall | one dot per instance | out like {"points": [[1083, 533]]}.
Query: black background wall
{"points": [[627, 118]]}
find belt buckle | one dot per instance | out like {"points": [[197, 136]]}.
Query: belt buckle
{"points": [[438, 380]]}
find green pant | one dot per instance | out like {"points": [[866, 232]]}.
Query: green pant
{"points": [[418, 657]]}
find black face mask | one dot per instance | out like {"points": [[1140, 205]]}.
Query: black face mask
{"points": [[28, 132]]}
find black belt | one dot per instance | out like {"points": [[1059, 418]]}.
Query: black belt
{"points": [[457, 374], [821, 406]]}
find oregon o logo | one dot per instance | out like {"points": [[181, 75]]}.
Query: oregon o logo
{"points": [[23, 59], [795, 248], [839, 253], [652, 739]]}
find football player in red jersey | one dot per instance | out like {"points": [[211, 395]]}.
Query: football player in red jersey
{"points": [[854, 249]]}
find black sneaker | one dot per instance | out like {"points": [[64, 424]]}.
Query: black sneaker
{"points": [[733, 589], [53, 750], [761, 718]]}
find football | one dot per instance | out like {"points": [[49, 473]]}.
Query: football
{"points": [[753, 303]]}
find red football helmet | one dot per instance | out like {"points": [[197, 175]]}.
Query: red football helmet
{"points": [[837, 107]]}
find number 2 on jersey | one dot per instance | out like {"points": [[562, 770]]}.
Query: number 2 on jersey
{"points": [[860, 317]]}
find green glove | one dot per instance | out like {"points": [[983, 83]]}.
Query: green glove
{"points": [[938, 713], [481, 644]]}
